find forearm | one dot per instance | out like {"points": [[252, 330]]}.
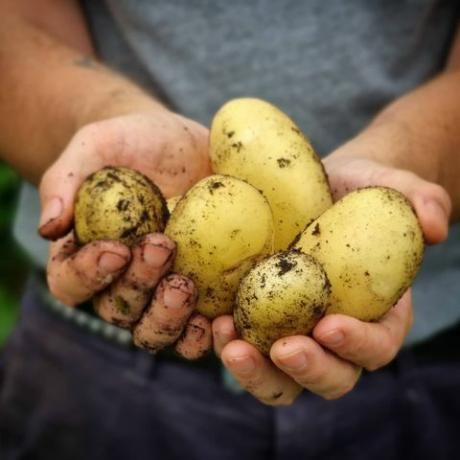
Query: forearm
{"points": [[419, 132], [49, 90]]}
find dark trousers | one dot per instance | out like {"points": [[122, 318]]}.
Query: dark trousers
{"points": [[66, 394]]}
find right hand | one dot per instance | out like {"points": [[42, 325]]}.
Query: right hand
{"points": [[172, 151]]}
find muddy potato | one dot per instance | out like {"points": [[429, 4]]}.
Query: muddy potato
{"points": [[254, 141], [118, 204], [371, 246], [281, 296], [222, 227]]}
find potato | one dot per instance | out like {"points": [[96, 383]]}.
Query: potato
{"points": [[254, 141], [172, 202], [222, 227], [118, 204], [371, 246], [283, 295]]}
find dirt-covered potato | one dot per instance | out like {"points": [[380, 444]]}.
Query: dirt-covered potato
{"points": [[371, 246], [254, 141], [281, 296], [222, 227], [118, 204]]}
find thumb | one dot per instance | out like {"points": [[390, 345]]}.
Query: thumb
{"points": [[431, 202], [59, 186]]}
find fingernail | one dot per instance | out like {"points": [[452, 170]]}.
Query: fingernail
{"points": [[242, 365], [332, 338], [155, 255], [435, 209], [111, 262], [51, 211], [174, 297], [295, 361]]}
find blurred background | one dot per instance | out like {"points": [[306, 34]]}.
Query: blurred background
{"points": [[14, 265]]}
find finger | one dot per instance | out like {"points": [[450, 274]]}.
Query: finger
{"points": [[223, 332], [163, 321], [196, 340], [122, 304], [77, 274], [370, 345], [314, 368], [257, 374]]}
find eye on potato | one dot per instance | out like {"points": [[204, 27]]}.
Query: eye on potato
{"points": [[285, 294], [254, 141], [222, 227], [371, 246], [118, 204]]}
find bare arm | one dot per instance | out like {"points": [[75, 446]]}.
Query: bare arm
{"points": [[50, 83]]}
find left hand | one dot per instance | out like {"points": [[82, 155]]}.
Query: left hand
{"points": [[330, 363]]}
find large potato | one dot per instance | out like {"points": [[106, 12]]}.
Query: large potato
{"points": [[371, 246], [253, 140], [222, 227], [283, 295], [118, 204]]}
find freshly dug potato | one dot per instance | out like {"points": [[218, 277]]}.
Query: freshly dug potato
{"points": [[118, 204], [222, 227], [371, 246], [283, 295], [254, 141]]}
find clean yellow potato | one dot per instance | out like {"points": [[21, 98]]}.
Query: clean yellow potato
{"points": [[254, 141], [118, 204], [172, 202], [371, 246], [285, 294], [222, 227]]}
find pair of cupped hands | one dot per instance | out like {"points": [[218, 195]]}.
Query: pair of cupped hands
{"points": [[173, 152]]}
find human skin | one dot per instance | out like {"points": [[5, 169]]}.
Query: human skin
{"points": [[64, 115]]}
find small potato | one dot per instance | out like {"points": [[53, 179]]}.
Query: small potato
{"points": [[118, 204], [254, 141], [283, 295], [222, 227], [371, 246]]}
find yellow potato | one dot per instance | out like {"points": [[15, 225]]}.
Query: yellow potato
{"points": [[172, 202], [222, 227], [118, 204], [281, 296], [254, 141], [371, 246]]}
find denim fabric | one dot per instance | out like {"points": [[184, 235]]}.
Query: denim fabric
{"points": [[65, 394]]}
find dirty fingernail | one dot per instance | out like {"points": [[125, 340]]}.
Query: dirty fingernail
{"points": [[51, 211], [111, 262], [155, 256], [174, 297]]}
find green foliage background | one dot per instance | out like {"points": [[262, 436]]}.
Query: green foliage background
{"points": [[13, 262]]}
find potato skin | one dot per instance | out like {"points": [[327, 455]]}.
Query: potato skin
{"points": [[285, 294], [222, 227], [254, 141], [371, 246], [120, 204]]}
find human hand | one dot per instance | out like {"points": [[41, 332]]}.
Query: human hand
{"points": [[172, 151], [329, 363]]}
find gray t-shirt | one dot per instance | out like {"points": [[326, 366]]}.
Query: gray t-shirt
{"points": [[330, 65]]}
